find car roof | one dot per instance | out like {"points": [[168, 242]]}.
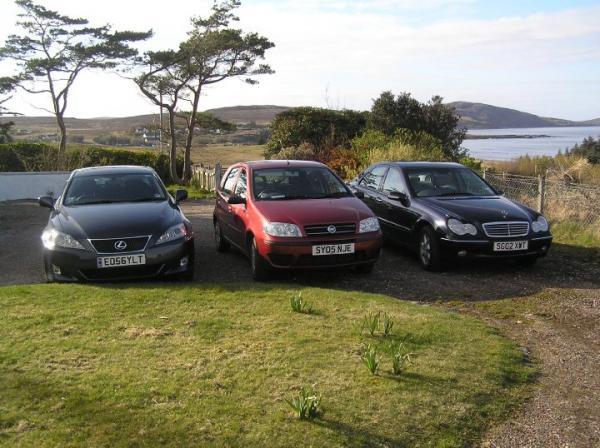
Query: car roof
{"points": [[258, 164], [426, 164], [113, 169]]}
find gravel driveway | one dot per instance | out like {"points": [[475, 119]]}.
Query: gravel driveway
{"points": [[562, 332]]}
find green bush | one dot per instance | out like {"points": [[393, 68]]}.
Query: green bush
{"points": [[26, 156]]}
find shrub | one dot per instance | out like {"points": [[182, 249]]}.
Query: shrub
{"points": [[306, 404], [370, 359], [305, 151], [299, 305], [371, 322]]}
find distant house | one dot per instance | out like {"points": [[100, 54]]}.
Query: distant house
{"points": [[151, 137]]}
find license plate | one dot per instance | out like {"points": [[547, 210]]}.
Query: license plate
{"points": [[121, 260], [333, 249], [508, 246]]}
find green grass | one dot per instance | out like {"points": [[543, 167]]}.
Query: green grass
{"points": [[171, 365], [576, 234], [193, 191]]}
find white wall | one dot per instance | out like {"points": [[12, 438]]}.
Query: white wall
{"points": [[18, 186]]}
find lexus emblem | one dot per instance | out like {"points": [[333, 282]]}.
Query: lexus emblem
{"points": [[120, 245], [331, 229]]}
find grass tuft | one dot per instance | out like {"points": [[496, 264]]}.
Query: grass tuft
{"points": [[306, 405]]}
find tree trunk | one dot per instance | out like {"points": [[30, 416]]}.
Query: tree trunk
{"points": [[191, 124], [62, 147], [173, 151]]}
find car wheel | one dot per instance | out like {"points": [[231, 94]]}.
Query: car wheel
{"points": [[222, 244], [48, 274], [429, 250], [259, 267], [526, 261], [365, 268]]}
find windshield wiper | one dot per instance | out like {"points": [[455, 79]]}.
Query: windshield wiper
{"points": [[144, 200], [339, 194], [103, 201], [456, 193]]}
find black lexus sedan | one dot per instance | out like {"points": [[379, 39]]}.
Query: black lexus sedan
{"points": [[446, 211], [116, 222]]}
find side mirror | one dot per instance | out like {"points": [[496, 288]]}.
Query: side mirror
{"points": [[180, 195], [46, 201], [359, 194], [235, 200], [500, 192], [398, 196]]}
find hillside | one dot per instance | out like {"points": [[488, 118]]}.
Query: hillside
{"points": [[485, 116], [247, 114]]}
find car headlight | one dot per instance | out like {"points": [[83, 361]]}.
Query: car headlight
{"points": [[173, 233], [52, 238], [368, 225], [540, 224], [282, 229], [460, 228]]}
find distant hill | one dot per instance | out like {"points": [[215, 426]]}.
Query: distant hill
{"points": [[248, 114], [485, 116]]}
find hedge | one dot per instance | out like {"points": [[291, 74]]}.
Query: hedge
{"points": [[26, 156]]}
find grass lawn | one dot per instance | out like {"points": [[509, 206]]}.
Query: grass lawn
{"points": [[226, 154], [193, 191], [207, 365]]}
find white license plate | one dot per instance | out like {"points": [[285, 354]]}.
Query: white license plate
{"points": [[509, 246], [121, 260], [333, 249]]}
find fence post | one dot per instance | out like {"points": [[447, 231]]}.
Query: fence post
{"points": [[541, 192], [217, 175], [484, 173]]}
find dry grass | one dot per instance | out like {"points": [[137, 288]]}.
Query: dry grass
{"points": [[226, 154]]}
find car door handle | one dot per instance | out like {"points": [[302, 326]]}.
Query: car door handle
{"points": [[378, 199]]}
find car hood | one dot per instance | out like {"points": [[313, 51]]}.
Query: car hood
{"points": [[117, 220], [479, 209], [314, 211]]}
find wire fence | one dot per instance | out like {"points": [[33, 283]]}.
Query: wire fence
{"points": [[558, 200]]}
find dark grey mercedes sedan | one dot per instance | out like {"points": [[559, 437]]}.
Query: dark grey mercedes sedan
{"points": [[445, 211], [116, 222]]}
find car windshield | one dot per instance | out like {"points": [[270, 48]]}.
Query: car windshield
{"points": [[272, 184], [437, 181], [110, 188]]}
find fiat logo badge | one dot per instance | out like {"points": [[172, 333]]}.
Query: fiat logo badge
{"points": [[120, 245], [331, 229]]}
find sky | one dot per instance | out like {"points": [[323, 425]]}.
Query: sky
{"points": [[540, 56]]}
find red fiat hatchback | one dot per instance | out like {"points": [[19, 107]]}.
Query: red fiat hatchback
{"points": [[294, 215]]}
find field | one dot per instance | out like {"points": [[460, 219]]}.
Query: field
{"points": [[226, 154], [164, 365]]}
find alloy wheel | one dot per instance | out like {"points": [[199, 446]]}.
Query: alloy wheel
{"points": [[425, 249]]}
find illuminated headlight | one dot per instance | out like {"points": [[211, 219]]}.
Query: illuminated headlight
{"points": [[282, 229], [174, 233], [52, 238], [460, 228], [368, 225], [540, 224]]}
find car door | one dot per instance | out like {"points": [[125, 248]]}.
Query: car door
{"points": [[370, 186], [224, 211], [397, 218], [239, 212]]}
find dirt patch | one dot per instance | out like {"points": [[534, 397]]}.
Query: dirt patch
{"points": [[553, 312]]}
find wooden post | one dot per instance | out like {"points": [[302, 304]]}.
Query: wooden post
{"points": [[484, 173], [541, 192], [217, 175]]}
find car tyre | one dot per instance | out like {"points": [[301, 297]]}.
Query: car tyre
{"points": [[258, 265], [428, 250], [222, 244], [48, 274]]}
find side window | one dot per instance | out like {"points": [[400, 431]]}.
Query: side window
{"points": [[229, 181], [393, 182], [240, 188], [373, 178]]}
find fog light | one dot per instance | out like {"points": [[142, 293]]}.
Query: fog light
{"points": [[544, 248], [183, 261], [56, 270], [462, 253]]}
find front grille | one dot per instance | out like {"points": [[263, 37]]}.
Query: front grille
{"points": [[107, 246], [506, 229], [323, 229], [122, 273]]}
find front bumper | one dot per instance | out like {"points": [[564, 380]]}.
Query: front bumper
{"points": [[163, 260], [298, 254], [538, 247]]}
